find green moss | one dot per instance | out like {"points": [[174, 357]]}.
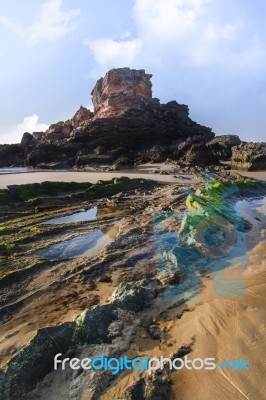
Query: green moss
{"points": [[36, 230], [33, 192], [114, 185], [5, 197], [212, 201], [39, 193], [79, 331], [9, 246]]}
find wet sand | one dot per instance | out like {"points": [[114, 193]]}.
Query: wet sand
{"points": [[93, 177], [59, 291], [145, 171], [73, 176], [260, 175]]}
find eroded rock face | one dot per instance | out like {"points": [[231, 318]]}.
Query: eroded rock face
{"points": [[249, 156], [119, 90], [60, 132], [83, 114], [27, 139], [127, 127], [199, 154], [12, 155], [134, 296], [221, 146], [34, 361]]}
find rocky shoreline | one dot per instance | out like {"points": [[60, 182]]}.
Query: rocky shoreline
{"points": [[126, 263], [120, 286], [129, 127]]}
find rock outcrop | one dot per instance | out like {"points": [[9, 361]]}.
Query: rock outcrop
{"points": [[249, 156], [34, 361], [120, 90], [127, 126], [12, 155], [221, 146], [94, 322], [199, 154]]}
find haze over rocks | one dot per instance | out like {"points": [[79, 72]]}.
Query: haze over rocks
{"points": [[127, 126]]}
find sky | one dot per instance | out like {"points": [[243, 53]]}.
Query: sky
{"points": [[209, 54]]}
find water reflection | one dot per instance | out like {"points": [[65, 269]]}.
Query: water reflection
{"points": [[87, 246], [81, 215], [14, 170]]}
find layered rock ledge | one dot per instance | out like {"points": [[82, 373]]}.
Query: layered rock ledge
{"points": [[127, 126]]}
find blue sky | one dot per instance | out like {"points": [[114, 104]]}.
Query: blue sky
{"points": [[209, 54]]}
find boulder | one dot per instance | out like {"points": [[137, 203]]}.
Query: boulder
{"points": [[136, 391], [201, 155], [92, 325], [249, 156], [27, 139], [133, 296], [34, 361], [221, 146], [12, 155]]}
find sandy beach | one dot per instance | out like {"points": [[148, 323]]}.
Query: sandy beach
{"points": [[143, 172], [54, 273]]}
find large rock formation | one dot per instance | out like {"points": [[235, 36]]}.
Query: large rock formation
{"points": [[249, 156], [119, 90], [128, 126]]}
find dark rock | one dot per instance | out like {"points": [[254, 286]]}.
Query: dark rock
{"points": [[136, 391], [201, 155], [12, 155], [155, 387], [129, 126], [158, 386], [91, 159], [93, 324], [221, 146], [133, 296], [249, 156], [27, 139], [183, 351], [34, 361], [105, 278], [155, 332]]}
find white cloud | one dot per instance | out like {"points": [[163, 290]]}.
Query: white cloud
{"points": [[109, 53], [125, 35], [12, 26], [206, 53], [51, 23], [165, 18], [190, 32], [184, 30], [29, 124]]}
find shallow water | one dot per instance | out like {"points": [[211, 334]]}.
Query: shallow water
{"points": [[14, 170], [82, 215], [251, 210], [87, 246]]}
